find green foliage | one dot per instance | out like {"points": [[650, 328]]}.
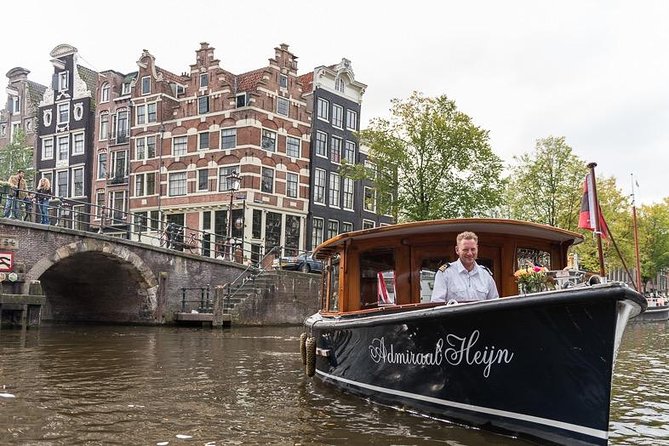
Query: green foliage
{"points": [[430, 161], [16, 155], [654, 239], [546, 186]]}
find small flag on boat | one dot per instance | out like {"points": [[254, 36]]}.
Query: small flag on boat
{"points": [[586, 219]]}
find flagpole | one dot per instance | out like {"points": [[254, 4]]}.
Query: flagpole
{"points": [[636, 241], [598, 230]]}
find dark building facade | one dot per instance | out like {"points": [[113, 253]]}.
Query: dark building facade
{"points": [[64, 146], [337, 204]]}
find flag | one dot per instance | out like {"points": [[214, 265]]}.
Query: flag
{"points": [[586, 219]]}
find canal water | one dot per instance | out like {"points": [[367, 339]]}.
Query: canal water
{"points": [[102, 385]]}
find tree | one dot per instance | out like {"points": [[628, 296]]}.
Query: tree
{"points": [[16, 156], [654, 239], [546, 186], [429, 161]]}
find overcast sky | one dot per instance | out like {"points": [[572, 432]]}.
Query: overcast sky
{"points": [[595, 72]]}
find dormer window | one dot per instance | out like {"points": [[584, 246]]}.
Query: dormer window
{"points": [[104, 93], [241, 100], [146, 85], [62, 80], [204, 80], [283, 81], [339, 85], [125, 88]]}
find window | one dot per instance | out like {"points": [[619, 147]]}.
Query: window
{"points": [[15, 104], [367, 224], [204, 80], [256, 225], [334, 189], [179, 145], [351, 120], [119, 164], [291, 185], [99, 202], [47, 148], [319, 186], [145, 147], [283, 81], [203, 105], [282, 106], [123, 130], [203, 143], [228, 138], [151, 112], [348, 193], [203, 179], [78, 182], [78, 143], [338, 116], [224, 183], [240, 100], [323, 111], [104, 126], [321, 143], [102, 165], [117, 198], [333, 228], [146, 85], [292, 147], [349, 152], [125, 88], [63, 113], [62, 80], [63, 148], [104, 93], [268, 140], [335, 150], [370, 202], [141, 114], [317, 233], [177, 184], [61, 183], [267, 182], [346, 227], [145, 184], [339, 85]]}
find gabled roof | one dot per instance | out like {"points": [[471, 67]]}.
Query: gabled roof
{"points": [[307, 81], [89, 76], [35, 92], [248, 81]]}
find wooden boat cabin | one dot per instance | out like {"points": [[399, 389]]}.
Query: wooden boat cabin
{"points": [[394, 266]]}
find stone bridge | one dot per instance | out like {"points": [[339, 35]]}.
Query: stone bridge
{"points": [[98, 278]]}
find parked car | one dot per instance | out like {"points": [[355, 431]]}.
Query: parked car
{"points": [[304, 262]]}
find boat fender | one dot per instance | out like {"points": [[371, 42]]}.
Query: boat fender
{"points": [[303, 348], [485, 268], [444, 267], [310, 362]]}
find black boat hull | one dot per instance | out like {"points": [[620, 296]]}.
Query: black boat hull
{"points": [[537, 366]]}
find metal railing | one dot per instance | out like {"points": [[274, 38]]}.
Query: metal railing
{"points": [[201, 304], [137, 226]]}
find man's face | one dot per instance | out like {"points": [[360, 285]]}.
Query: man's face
{"points": [[467, 250], [20, 174]]}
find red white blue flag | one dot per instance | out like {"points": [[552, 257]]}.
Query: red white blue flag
{"points": [[587, 219]]}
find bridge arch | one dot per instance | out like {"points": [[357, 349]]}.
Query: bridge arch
{"points": [[93, 280]]}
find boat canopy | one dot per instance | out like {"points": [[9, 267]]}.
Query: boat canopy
{"points": [[396, 264]]}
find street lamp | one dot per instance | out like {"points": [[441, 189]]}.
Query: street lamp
{"points": [[161, 130], [234, 181]]}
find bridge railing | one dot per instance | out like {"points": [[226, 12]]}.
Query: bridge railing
{"points": [[196, 299], [138, 226]]}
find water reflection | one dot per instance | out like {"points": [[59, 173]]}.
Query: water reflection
{"points": [[85, 385]]}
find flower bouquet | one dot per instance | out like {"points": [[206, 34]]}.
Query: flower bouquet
{"points": [[532, 279]]}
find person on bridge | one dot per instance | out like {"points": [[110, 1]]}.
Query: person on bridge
{"points": [[17, 192], [43, 196]]}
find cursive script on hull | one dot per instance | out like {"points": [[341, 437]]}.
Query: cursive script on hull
{"points": [[455, 351]]}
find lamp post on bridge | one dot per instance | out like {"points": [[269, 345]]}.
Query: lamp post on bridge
{"points": [[234, 182]]}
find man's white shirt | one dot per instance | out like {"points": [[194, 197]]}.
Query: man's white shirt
{"points": [[455, 282]]}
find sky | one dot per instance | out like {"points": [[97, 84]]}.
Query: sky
{"points": [[594, 72]]}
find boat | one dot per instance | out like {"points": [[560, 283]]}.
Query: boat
{"points": [[532, 365], [657, 311]]}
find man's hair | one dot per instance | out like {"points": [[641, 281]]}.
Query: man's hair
{"points": [[20, 171], [467, 235]]}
